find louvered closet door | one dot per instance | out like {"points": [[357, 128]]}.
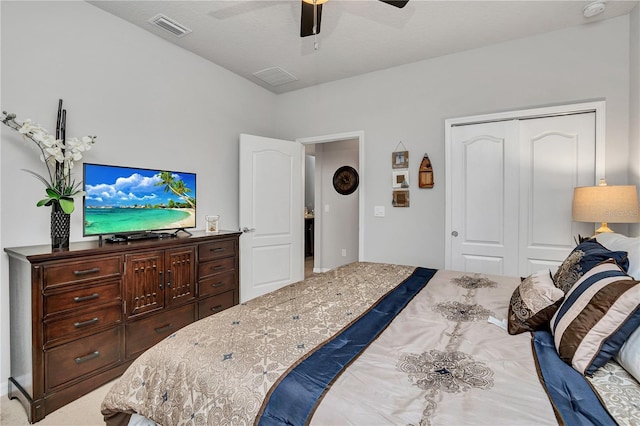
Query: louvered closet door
{"points": [[484, 185], [557, 154]]}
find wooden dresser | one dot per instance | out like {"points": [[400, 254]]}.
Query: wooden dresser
{"points": [[79, 317]]}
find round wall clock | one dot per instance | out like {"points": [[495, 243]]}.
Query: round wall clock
{"points": [[345, 180]]}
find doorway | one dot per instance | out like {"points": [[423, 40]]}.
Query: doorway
{"points": [[332, 220]]}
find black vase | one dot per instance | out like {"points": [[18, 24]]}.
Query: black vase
{"points": [[60, 227]]}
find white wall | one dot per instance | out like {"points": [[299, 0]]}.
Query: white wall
{"points": [[410, 103], [151, 104], [634, 105], [337, 228]]}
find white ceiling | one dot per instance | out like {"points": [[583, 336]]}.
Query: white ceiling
{"points": [[357, 36]]}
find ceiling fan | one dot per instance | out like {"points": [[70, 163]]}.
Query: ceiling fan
{"points": [[312, 13]]}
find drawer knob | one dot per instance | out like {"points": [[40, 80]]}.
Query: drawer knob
{"points": [[216, 285], [86, 358], [86, 323], [217, 308], [218, 249], [85, 298], [86, 271]]}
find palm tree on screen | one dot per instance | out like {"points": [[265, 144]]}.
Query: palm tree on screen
{"points": [[170, 183]]}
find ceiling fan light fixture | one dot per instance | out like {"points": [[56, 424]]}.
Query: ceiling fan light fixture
{"points": [[593, 9]]}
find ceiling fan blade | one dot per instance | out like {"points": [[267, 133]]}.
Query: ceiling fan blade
{"points": [[306, 19], [396, 3]]}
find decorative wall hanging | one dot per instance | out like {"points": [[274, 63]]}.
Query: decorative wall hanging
{"points": [[400, 159], [400, 198], [425, 173], [345, 180], [400, 179]]}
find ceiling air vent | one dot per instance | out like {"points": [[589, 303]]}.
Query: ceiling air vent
{"points": [[170, 25], [275, 76]]}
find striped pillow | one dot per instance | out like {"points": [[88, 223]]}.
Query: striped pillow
{"points": [[597, 315]]}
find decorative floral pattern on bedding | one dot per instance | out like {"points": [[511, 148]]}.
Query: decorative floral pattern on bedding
{"points": [[243, 350], [619, 391]]}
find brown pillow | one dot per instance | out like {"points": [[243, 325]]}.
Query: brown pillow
{"points": [[533, 303]]}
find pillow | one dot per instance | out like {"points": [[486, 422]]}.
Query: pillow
{"points": [[613, 241], [597, 315], [533, 303], [582, 258], [629, 355]]}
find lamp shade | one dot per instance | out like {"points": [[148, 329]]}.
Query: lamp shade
{"points": [[610, 204]]}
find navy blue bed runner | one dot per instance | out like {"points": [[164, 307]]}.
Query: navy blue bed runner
{"points": [[573, 398], [293, 400]]}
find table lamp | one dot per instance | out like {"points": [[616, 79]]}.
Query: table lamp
{"points": [[606, 204]]}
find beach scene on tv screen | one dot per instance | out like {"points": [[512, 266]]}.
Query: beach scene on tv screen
{"points": [[120, 200]]}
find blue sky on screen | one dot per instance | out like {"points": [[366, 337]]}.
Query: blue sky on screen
{"points": [[122, 186]]}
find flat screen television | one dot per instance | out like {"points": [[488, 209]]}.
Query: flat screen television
{"points": [[127, 200]]}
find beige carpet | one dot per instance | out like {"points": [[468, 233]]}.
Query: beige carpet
{"points": [[81, 412]]}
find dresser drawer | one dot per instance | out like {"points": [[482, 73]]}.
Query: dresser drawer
{"points": [[216, 250], [74, 272], [77, 298], [73, 360], [82, 322], [143, 334], [217, 284], [213, 305], [215, 267]]}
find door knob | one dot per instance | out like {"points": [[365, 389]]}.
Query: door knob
{"points": [[245, 229], [454, 233]]}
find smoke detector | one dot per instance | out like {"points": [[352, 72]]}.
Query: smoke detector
{"points": [[593, 9]]}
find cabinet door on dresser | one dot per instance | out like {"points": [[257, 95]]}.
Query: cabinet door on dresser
{"points": [[180, 276], [144, 283]]}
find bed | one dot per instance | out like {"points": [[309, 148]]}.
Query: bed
{"points": [[372, 343]]}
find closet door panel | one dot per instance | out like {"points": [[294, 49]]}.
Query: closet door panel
{"points": [[484, 198], [558, 154]]}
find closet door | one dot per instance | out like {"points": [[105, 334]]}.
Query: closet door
{"points": [[556, 155], [484, 201], [511, 192]]}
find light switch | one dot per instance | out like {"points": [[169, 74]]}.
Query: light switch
{"points": [[326, 208], [378, 211]]}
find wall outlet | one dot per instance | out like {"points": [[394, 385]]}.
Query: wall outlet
{"points": [[344, 252], [378, 211]]}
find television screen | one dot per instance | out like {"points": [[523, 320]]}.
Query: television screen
{"points": [[129, 200]]}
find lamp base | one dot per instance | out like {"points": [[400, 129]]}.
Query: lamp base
{"points": [[603, 228]]}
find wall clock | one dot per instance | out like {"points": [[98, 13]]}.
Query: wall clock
{"points": [[345, 180]]}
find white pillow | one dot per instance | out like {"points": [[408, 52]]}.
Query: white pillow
{"points": [[629, 355], [618, 242]]}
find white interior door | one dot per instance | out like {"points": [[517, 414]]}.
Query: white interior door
{"points": [[558, 154], [512, 181], [271, 214], [484, 205]]}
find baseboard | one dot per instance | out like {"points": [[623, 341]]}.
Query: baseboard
{"points": [[320, 270]]}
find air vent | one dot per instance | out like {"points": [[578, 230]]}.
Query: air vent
{"points": [[170, 25], [275, 76]]}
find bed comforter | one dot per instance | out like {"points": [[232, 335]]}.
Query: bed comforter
{"points": [[365, 344]]}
